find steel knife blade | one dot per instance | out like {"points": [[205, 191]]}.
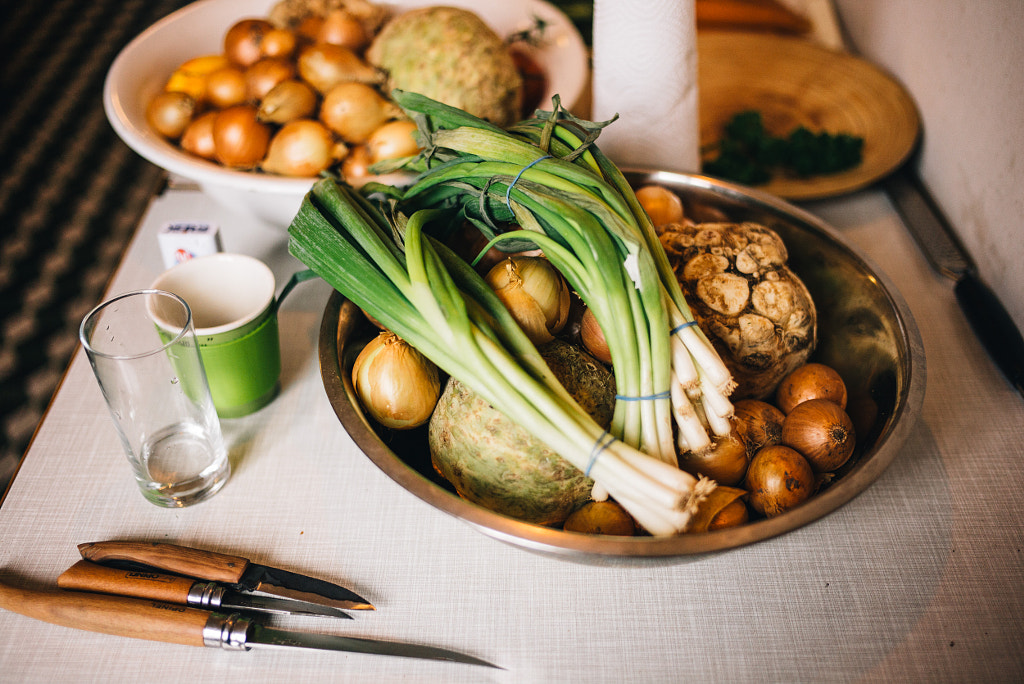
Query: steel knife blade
{"points": [[170, 623], [240, 573], [988, 317], [88, 576]]}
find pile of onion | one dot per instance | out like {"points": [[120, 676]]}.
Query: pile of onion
{"points": [[292, 101]]}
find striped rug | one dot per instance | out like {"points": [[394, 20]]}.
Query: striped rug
{"points": [[71, 192]]}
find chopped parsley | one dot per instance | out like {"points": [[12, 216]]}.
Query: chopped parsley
{"points": [[748, 154]]}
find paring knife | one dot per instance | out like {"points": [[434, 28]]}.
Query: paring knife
{"points": [[233, 570], [156, 621], [87, 576], [986, 314]]}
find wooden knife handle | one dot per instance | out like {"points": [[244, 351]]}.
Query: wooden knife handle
{"points": [[170, 557], [87, 576], [129, 617]]}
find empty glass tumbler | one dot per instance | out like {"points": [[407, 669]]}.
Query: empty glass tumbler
{"points": [[143, 351]]}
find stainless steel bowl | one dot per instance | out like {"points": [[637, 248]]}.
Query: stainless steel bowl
{"points": [[865, 331]]}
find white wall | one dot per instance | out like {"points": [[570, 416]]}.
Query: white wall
{"points": [[963, 62]]}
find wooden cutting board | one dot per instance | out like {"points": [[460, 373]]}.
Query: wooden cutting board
{"points": [[792, 82]]}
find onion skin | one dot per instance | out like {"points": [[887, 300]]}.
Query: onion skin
{"points": [[534, 293], [601, 517], [355, 110], [287, 101], [822, 432], [240, 140], [226, 87], [301, 148], [725, 462], [810, 381], [198, 137], [324, 66], [170, 113], [243, 42], [393, 140], [264, 75], [733, 515], [778, 479], [593, 339], [661, 204], [341, 28], [758, 423], [395, 383]]}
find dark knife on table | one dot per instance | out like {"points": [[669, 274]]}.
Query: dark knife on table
{"points": [[986, 314], [88, 576], [241, 574], [176, 624]]}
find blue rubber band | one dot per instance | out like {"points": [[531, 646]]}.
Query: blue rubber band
{"points": [[599, 446], [681, 327], [508, 192], [660, 395]]}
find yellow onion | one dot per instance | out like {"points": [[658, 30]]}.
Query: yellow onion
{"points": [[393, 140], [339, 27], [593, 338], [226, 87], [395, 383], [534, 292], [301, 148], [198, 137], [170, 112], [778, 479], [810, 381], [243, 42], [286, 101], [661, 204], [356, 166], [261, 77], [355, 110], [821, 432], [758, 423], [239, 139], [279, 42], [324, 66], [725, 461]]}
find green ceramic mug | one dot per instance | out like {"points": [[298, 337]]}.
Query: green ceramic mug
{"points": [[235, 315]]}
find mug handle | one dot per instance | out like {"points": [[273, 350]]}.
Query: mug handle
{"points": [[298, 277]]}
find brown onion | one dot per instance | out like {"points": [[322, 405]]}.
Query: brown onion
{"points": [[301, 148], [822, 432], [661, 204], [287, 101], [724, 462], [341, 28], [243, 42], [778, 479], [240, 140], [593, 338], [758, 423], [198, 137], [324, 66], [355, 110], [393, 140], [169, 113], [261, 77], [601, 517], [356, 166], [226, 87], [535, 294], [279, 42], [810, 381], [733, 515]]}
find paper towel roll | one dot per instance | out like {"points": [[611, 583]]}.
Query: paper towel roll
{"points": [[645, 70]]}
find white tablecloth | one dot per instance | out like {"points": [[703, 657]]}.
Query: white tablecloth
{"points": [[921, 578]]}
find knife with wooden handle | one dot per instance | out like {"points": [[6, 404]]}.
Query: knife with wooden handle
{"points": [[176, 624], [87, 576], [242, 574]]}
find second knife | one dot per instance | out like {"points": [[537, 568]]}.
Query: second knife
{"points": [[87, 576]]}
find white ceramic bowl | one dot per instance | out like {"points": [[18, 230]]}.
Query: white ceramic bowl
{"points": [[143, 66]]}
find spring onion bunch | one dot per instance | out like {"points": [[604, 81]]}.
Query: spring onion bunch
{"points": [[546, 176]]}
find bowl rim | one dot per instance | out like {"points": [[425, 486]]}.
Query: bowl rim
{"points": [[627, 550]]}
